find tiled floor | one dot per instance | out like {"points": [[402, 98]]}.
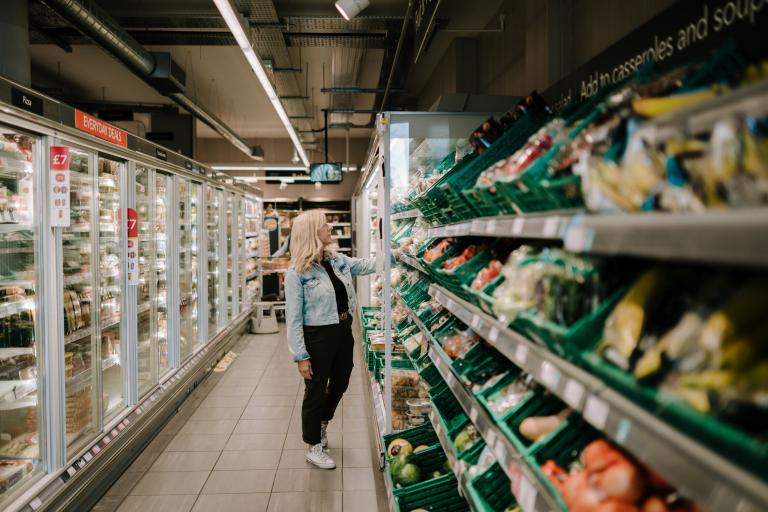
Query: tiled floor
{"points": [[236, 445]]}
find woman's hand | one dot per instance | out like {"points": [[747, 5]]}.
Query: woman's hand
{"points": [[305, 369]]}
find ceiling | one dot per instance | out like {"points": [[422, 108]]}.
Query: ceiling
{"points": [[306, 35]]}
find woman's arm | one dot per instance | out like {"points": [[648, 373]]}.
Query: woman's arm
{"points": [[283, 248], [360, 266], [294, 315]]}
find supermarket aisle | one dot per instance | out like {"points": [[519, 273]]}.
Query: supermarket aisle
{"points": [[236, 446]]}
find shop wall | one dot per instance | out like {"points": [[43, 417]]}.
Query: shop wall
{"points": [[544, 41]]}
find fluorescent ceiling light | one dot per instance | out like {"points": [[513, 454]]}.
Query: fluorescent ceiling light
{"points": [[351, 8], [234, 22]]}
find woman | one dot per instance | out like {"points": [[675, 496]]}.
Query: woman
{"points": [[319, 304]]}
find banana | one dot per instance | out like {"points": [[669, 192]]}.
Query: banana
{"points": [[654, 107]]}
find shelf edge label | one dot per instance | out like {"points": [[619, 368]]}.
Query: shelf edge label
{"points": [[100, 129], [59, 187], [132, 257]]}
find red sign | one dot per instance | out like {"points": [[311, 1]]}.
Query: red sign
{"points": [[59, 158], [133, 223], [100, 129]]}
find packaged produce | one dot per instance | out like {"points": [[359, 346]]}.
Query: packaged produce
{"points": [[607, 479], [552, 284], [457, 261], [487, 274], [700, 338], [437, 249], [510, 396], [457, 343]]}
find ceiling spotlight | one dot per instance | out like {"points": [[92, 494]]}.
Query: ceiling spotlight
{"points": [[351, 8], [318, 185]]}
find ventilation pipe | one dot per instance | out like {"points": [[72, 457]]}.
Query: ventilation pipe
{"points": [[157, 69]]}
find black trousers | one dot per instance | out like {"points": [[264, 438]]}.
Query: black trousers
{"points": [[330, 354]]}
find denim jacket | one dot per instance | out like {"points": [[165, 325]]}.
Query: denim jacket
{"points": [[310, 298]]}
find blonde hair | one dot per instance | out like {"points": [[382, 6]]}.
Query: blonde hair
{"points": [[306, 247]]}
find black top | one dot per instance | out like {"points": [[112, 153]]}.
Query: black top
{"points": [[342, 302]]}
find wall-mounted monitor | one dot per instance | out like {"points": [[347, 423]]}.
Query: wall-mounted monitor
{"points": [[325, 173]]}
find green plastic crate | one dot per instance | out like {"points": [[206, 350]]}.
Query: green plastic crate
{"points": [[441, 496], [417, 436], [448, 409], [564, 448], [490, 491], [538, 403], [429, 460]]}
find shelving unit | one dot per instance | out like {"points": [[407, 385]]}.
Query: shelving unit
{"points": [[676, 425], [717, 484], [730, 236]]}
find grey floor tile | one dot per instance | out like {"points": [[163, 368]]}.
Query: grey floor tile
{"points": [[209, 427], [266, 412], [198, 443], [178, 503], [232, 502], [143, 462], [355, 390], [217, 413], [159, 443], [292, 480], [248, 459], [108, 504], [226, 401], [354, 412], [175, 424], [255, 442], [297, 459], [355, 425], [262, 400], [356, 440], [360, 500], [358, 479], [289, 390], [227, 391], [124, 484], [357, 458], [335, 425], [170, 482], [304, 501], [245, 481], [293, 441], [261, 426], [186, 461]]}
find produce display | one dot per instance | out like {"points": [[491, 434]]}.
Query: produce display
{"points": [[563, 342], [606, 479]]}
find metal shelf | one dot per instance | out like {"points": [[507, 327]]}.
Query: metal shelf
{"points": [[12, 228], [728, 236], [716, 484], [412, 262], [531, 494], [13, 390], [340, 224], [459, 467], [408, 214], [12, 308], [251, 235], [252, 276]]}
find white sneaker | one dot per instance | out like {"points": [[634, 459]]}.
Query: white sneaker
{"points": [[317, 456], [324, 435]]}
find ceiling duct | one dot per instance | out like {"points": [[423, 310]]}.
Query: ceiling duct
{"points": [[158, 70]]}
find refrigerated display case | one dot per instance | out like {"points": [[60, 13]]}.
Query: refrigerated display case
{"points": [[90, 349], [20, 404], [153, 190], [189, 271], [111, 255], [254, 238], [230, 246], [79, 312], [215, 259]]}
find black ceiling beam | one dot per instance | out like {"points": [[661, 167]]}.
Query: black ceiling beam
{"points": [[358, 90]]}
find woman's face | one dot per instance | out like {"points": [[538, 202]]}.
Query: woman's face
{"points": [[325, 234]]}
